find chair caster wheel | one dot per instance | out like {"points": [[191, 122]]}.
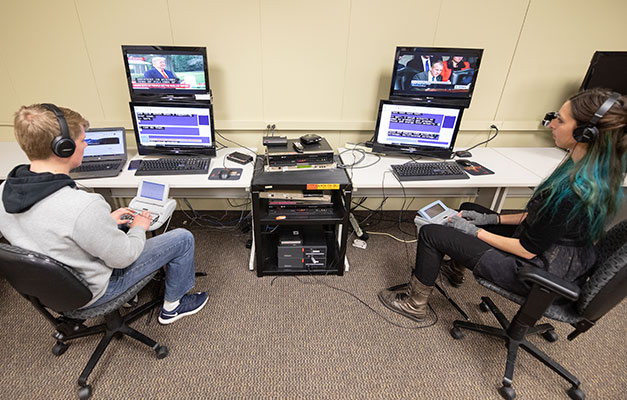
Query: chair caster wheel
{"points": [[59, 348], [456, 333], [84, 392], [576, 393], [162, 352], [550, 336], [484, 307], [507, 392]]}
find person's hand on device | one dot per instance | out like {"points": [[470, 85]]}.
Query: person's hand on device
{"points": [[479, 219], [458, 222], [117, 215], [142, 219]]}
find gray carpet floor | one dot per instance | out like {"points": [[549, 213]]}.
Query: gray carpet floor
{"points": [[322, 337]]}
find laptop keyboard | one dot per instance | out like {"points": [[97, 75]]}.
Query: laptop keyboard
{"points": [[427, 171], [174, 166], [103, 166]]}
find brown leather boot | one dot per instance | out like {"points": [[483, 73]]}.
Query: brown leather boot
{"points": [[409, 300], [453, 272]]}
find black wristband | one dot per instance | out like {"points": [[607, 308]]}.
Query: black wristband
{"points": [[499, 219]]}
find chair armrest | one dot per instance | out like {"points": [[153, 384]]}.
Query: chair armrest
{"points": [[547, 280]]}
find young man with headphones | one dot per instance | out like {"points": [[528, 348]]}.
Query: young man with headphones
{"points": [[42, 210], [566, 214]]}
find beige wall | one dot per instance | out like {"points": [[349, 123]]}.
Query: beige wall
{"points": [[316, 66]]}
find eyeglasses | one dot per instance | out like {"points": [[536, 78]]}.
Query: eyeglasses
{"points": [[550, 116]]}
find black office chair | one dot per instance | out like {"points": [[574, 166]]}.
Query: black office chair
{"points": [[51, 285], [606, 288]]}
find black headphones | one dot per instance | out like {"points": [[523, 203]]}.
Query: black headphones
{"points": [[588, 132], [63, 145]]}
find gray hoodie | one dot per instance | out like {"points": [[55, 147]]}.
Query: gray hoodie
{"points": [[45, 213]]}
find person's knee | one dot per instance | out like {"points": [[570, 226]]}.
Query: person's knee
{"points": [[468, 206], [428, 232], [184, 236]]}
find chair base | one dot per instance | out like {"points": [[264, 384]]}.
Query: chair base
{"points": [[115, 325], [515, 338]]}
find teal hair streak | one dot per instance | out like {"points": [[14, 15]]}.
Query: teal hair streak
{"points": [[591, 181]]}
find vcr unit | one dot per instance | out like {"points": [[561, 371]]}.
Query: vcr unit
{"points": [[314, 156]]}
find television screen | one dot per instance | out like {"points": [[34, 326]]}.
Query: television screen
{"points": [[419, 129], [174, 128], [435, 75], [608, 69], [158, 70]]}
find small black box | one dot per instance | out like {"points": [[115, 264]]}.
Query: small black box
{"points": [[239, 158]]}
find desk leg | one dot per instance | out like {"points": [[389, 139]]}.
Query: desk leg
{"points": [[339, 242], [251, 260], [499, 199]]}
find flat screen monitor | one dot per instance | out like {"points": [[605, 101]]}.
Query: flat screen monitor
{"points": [[174, 128], [163, 70], [608, 70], [417, 129], [435, 74]]}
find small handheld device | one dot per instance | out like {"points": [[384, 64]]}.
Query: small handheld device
{"points": [[239, 158], [434, 213], [298, 147], [153, 197], [310, 138]]}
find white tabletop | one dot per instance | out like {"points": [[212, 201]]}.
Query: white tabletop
{"points": [[380, 174], [541, 161], [125, 184]]}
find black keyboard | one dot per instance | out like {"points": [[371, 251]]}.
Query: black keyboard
{"points": [[428, 171], [100, 166], [174, 166]]}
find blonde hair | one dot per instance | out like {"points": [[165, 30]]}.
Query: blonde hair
{"points": [[36, 127]]}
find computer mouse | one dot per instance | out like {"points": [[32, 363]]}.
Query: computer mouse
{"points": [[224, 174], [464, 163], [463, 154]]}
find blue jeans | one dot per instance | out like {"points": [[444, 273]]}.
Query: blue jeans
{"points": [[174, 248]]}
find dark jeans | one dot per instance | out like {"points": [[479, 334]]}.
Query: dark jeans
{"points": [[434, 241]]}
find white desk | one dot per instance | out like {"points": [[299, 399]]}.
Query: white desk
{"points": [[125, 184], [542, 161], [538, 160], [488, 190]]}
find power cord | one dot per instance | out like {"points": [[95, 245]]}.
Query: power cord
{"points": [[239, 145], [484, 142], [368, 306], [392, 236]]}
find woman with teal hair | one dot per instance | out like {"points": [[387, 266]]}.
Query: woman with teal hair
{"points": [[566, 214]]}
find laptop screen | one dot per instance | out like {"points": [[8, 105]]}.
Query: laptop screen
{"points": [[105, 142]]}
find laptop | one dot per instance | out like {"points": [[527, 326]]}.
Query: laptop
{"points": [[105, 154]]}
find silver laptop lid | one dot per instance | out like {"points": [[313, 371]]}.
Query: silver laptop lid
{"points": [[105, 144]]}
